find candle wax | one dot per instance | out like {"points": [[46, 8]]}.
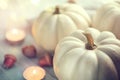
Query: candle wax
{"points": [[34, 73], [15, 35]]}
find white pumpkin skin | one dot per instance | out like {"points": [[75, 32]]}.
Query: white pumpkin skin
{"points": [[108, 18], [92, 5], [49, 28], [72, 61]]}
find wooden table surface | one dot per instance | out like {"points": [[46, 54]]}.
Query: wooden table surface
{"points": [[15, 73]]}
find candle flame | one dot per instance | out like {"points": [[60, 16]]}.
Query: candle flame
{"points": [[34, 71], [15, 31], [34, 1]]}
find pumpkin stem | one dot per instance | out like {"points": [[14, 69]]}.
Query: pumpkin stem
{"points": [[90, 45], [71, 1], [57, 10], [117, 2]]}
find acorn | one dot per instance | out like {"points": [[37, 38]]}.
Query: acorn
{"points": [[29, 51], [46, 60], [9, 61]]}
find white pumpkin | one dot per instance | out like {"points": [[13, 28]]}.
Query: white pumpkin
{"points": [[57, 22], [108, 18], [88, 55], [92, 5]]}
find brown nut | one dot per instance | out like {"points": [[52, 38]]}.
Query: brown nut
{"points": [[29, 51]]}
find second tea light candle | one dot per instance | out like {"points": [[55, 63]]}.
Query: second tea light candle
{"points": [[34, 73], [15, 35]]}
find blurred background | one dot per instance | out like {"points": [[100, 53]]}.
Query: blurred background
{"points": [[18, 13]]}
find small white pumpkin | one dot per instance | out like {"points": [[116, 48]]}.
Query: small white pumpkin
{"points": [[57, 22], [92, 5], [88, 55], [108, 18]]}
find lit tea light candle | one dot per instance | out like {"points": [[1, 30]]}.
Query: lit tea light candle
{"points": [[34, 73], [15, 35]]}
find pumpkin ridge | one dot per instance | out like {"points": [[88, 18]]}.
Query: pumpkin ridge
{"points": [[103, 36], [67, 54], [82, 13], [35, 30], [109, 13], [66, 42], [56, 29], [114, 55], [101, 20], [84, 17], [107, 18], [109, 41], [72, 48], [85, 54], [116, 29], [98, 69], [62, 26], [80, 25], [104, 12], [44, 40], [107, 70], [71, 38]]}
